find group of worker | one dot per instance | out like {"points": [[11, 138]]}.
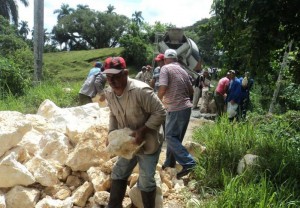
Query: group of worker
{"points": [[160, 99]]}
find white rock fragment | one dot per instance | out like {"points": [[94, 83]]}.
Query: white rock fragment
{"points": [[13, 173], [122, 144]]}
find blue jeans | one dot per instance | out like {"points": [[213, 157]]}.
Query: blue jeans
{"points": [[147, 167], [176, 125]]}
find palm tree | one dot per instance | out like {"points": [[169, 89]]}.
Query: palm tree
{"points": [[81, 6], [110, 9], [9, 9], [24, 29], [137, 17], [63, 11]]}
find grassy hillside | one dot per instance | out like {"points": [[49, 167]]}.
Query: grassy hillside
{"points": [[64, 73], [74, 65]]}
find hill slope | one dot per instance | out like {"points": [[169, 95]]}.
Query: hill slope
{"points": [[74, 65]]}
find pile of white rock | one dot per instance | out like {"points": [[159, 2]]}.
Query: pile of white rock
{"points": [[56, 158]]}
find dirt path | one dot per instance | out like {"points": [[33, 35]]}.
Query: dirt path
{"points": [[176, 199]]}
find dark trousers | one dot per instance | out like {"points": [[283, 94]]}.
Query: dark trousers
{"points": [[84, 99]]}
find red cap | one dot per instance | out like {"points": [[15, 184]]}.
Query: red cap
{"points": [[114, 65], [159, 57]]}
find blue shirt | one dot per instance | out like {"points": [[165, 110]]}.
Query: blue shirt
{"points": [[234, 91], [94, 71]]}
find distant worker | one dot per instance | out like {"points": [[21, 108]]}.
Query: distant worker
{"points": [[141, 74], [221, 93], [234, 96], [96, 69], [205, 80], [148, 74], [93, 85], [155, 78], [197, 90], [247, 84]]}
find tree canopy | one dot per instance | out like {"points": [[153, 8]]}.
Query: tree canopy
{"points": [[9, 9]]}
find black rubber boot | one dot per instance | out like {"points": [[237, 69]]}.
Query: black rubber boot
{"points": [[149, 198], [117, 193]]}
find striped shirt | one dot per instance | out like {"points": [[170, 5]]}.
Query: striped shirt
{"points": [[177, 81]]}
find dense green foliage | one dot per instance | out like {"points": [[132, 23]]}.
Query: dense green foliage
{"points": [[13, 80], [85, 29], [275, 139], [252, 35], [16, 61]]}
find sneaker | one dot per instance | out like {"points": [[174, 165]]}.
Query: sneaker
{"points": [[184, 172]]}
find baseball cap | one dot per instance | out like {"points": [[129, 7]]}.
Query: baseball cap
{"points": [[159, 57], [114, 65], [98, 64], [232, 71], [170, 53]]}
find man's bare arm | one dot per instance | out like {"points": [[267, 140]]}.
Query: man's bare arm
{"points": [[162, 91]]}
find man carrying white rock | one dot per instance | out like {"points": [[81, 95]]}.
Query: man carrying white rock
{"points": [[133, 105]]}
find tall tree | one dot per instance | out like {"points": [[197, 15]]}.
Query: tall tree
{"points": [[81, 6], [63, 11], [110, 9], [97, 29], [249, 30], [24, 29], [9, 9], [137, 18]]}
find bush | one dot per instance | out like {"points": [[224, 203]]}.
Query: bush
{"points": [[13, 80], [136, 50], [16, 62]]}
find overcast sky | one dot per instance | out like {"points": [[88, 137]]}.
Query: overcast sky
{"points": [[178, 12]]}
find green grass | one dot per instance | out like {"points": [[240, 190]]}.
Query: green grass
{"points": [[274, 182], [54, 91], [74, 65]]}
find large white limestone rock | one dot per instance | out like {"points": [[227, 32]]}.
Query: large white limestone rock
{"points": [[13, 173], [20, 197], [90, 150], [48, 202], [31, 140], [122, 144], [55, 147], [101, 198], [39, 123], [43, 171], [13, 127], [21, 154], [82, 194], [247, 162], [136, 197], [75, 120], [98, 178]]}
